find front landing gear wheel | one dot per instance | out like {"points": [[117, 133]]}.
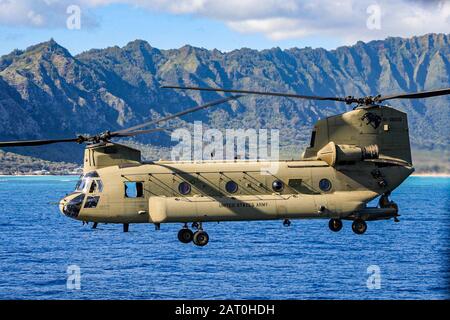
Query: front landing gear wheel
{"points": [[359, 226], [185, 235], [201, 238], [335, 225]]}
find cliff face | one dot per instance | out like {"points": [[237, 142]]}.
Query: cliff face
{"points": [[47, 92]]}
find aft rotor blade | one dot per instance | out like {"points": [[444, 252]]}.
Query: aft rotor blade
{"points": [[30, 143], [175, 115], [135, 133], [416, 95], [264, 93]]}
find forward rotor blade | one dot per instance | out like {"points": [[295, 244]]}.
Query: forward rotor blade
{"points": [[264, 93], [175, 115], [30, 143], [416, 95]]}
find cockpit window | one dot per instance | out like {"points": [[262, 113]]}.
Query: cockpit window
{"points": [[89, 184], [91, 202], [80, 184], [99, 186], [93, 186], [92, 174], [84, 185]]}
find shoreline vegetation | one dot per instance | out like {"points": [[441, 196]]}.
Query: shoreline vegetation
{"points": [[13, 164]]}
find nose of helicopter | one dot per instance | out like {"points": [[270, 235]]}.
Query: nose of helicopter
{"points": [[71, 205]]}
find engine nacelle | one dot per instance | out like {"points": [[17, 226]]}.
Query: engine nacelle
{"points": [[334, 154]]}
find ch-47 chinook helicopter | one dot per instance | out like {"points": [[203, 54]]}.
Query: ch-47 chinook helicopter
{"points": [[352, 159]]}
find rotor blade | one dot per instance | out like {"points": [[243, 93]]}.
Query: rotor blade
{"points": [[29, 143], [264, 93], [178, 114], [416, 95], [135, 133]]}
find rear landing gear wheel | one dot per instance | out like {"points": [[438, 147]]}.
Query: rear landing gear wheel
{"points": [[185, 235], [201, 238], [359, 226], [335, 225]]}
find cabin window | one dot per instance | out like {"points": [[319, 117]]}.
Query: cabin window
{"points": [[295, 183], [231, 187], [300, 186], [134, 189], [325, 185], [277, 185], [184, 188], [313, 139]]}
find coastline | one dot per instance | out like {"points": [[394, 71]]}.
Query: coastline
{"points": [[39, 175], [431, 175]]}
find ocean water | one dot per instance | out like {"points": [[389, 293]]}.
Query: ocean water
{"points": [[244, 260]]}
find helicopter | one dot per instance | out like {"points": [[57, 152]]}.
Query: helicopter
{"points": [[352, 159]]}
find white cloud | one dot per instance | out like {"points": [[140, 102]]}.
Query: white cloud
{"points": [[41, 13], [277, 20]]}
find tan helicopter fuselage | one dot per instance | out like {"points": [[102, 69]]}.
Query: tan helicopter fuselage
{"points": [[353, 158]]}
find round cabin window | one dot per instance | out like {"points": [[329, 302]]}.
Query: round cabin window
{"points": [[277, 185], [325, 185], [231, 187], [184, 188]]}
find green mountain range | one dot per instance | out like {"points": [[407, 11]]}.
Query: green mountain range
{"points": [[45, 92]]}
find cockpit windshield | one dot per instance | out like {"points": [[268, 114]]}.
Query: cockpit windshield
{"points": [[89, 183]]}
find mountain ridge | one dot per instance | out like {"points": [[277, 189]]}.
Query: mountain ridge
{"points": [[47, 92]]}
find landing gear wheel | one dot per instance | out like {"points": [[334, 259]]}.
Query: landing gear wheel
{"points": [[185, 235], [201, 238], [335, 225], [359, 226]]}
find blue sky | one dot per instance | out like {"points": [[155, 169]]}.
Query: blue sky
{"points": [[213, 24]]}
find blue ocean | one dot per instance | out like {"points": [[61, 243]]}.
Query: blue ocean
{"points": [[244, 260]]}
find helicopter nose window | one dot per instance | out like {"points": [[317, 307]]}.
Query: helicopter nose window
{"points": [[91, 202], [72, 209], [134, 189]]}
